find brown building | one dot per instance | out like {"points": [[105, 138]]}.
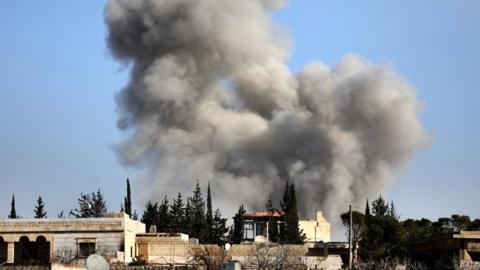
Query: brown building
{"points": [[460, 249]]}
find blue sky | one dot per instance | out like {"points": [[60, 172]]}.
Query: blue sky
{"points": [[58, 81]]}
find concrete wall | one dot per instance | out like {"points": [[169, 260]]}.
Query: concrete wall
{"points": [[316, 230], [106, 243], [131, 229], [111, 235]]}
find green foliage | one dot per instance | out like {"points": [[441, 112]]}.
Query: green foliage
{"points": [[40, 209], [367, 209], [358, 225], [474, 225], [188, 217], [380, 207], [84, 209], [128, 200], [13, 212], [177, 215], [382, 235], [150, 214], [198, 213], [99, 205], [417, 229], [292, 233], [273, 233], [135, 215], [460, 222], [220, 229], [209, 230], [90, 205], [163, 218], [236, 232]]}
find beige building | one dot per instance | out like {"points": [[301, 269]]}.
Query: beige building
{"points": [[24, 241], [176, 250], [316, 230]]}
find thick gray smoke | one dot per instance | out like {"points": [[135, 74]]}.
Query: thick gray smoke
{"points": [[211, 98]]}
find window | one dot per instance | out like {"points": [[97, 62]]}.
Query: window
{"points": [[259, 229], [248, 228], [86, 249]]}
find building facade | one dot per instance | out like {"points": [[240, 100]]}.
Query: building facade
{"points": [[317, 230], [27, 241], [448, 251], [258, 224]]}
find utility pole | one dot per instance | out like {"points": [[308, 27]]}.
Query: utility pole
{"points": [[350, 239]]}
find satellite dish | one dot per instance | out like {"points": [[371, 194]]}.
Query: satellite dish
{"points": [[227, 246], [96, 262], [260, 239]]}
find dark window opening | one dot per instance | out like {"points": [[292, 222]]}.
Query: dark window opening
{"points": [[86, 249], [259, 229], [3, 251]]}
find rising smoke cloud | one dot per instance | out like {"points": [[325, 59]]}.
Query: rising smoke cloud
{"points": [[210, 97]]}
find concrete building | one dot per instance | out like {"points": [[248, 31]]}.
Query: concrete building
{"points": [[317, 230], [175, 250], [26, 241], [257, 224], [443, 252]]}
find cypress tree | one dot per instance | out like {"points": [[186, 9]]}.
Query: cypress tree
{"points": [[294, 235], [135, 215], [128, 200], [236, 235], [188, 219], [163, 219], [367, 209], [150, 214], [177, 215], [13, 212], [40, 209], [272, 222], [209, 230], [219, 229], [380, 207], [198, 213], [284, 204], [392, 212]]}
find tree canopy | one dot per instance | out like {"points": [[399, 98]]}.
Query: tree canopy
{"points": [[39, 210]]}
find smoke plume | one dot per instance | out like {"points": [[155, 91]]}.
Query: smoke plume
{"points": [[211, 98]]}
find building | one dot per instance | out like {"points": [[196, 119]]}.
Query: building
{"points": [[27, 241], [317, 230], [257, 224], [163, 248], [460, 249]]}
